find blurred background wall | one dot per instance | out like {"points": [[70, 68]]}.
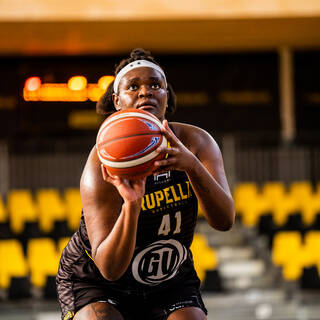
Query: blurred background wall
{"points": [[247, 71]]}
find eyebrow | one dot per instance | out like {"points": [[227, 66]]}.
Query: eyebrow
{"points": [[155, 78], [150, 78]]}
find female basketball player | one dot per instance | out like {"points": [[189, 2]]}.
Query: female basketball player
{"points": [[131, 258]]}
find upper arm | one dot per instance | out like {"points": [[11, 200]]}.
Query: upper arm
{"points": [[206, 149], [100, 200]]}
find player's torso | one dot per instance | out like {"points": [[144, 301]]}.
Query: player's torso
{"points": [[165, 230], [168, 209]]}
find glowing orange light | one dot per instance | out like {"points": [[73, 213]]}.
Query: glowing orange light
{"points": [[94, 92], [105, 81], [77, 83], [77, 89], [33, 83]]}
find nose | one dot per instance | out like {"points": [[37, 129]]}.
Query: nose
{"points": [[145, 91]]}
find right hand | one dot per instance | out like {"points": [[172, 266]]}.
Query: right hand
{"points": [[130, 190]]}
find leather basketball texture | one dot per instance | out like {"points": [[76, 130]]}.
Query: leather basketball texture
{"points": [[126, 143]]}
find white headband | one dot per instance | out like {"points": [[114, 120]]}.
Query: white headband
{"points": [[134, 65]]}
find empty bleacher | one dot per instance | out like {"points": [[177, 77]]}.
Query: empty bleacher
{"points": [[40, 223], [37, 225], [288, 217]]}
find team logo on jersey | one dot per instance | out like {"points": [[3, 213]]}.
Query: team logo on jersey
{"points": [[162, 176], [159, 262]]}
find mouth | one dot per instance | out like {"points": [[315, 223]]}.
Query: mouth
{"points": [[146, 106]]}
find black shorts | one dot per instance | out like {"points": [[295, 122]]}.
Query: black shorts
{"points": [[80, 283], [152, 306]]}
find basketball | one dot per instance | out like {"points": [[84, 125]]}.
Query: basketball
{"points": [[126, 143]]}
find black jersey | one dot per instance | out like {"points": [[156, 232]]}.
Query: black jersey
{"points": [[162, 256]]}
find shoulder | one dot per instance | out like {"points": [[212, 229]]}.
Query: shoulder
{"points": [[90, 174], [194, 138], [92, 185]]}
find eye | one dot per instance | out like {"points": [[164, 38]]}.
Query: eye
{"points": [[155, 86], [132, 87]]}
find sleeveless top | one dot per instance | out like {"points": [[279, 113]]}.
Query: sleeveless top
{"points": [[166, 226]]}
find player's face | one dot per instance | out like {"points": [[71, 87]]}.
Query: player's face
{"points": [[142, 88]]}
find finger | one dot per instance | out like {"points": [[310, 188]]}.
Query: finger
{"points": [[140, 182], [165, 162], [167, 151], [168, 133], [107, 175], [126, 182], [104, 171]]}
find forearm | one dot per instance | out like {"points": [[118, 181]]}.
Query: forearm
{"points": [[114, 253], [216, 203]]}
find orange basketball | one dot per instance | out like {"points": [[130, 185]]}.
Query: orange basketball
{"points": [[126, 143]]}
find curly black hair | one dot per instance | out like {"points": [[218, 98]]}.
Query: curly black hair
{"points": [[105, 105]]}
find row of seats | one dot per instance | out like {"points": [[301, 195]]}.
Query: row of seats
{"points": [[205, 258], [293, 252], [45, 207], [38, 264], [206, 264], [45, 210], [290, 216], [280, 201]]}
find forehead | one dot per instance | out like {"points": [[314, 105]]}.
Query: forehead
{"points": [[143, 73]]}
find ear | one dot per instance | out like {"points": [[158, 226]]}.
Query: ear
{"points": [[116, 101]]}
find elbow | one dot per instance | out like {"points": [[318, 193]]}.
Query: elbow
{"points": [[224, 225], [109, 271], [227, 225], [111, 275], [227, 218], [230, 216]]}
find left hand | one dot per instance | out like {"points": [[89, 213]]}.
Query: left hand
{"points": [[179, 157], [129, 190]]}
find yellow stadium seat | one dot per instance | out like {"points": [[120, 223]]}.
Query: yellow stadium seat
{"points": [[273, 191], [288, 252], [312, 248], [282, 209], [286, 246], [62, 242], [43, 260], [73, 207], [254, 209], [310, 209], [3, 211], [13, 262], [243, 193], [204, 257], [51, 208], [301, 191], [22, 209], [292, 271]]}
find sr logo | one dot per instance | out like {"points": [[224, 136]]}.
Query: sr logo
{"points": [[158, 262]]}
